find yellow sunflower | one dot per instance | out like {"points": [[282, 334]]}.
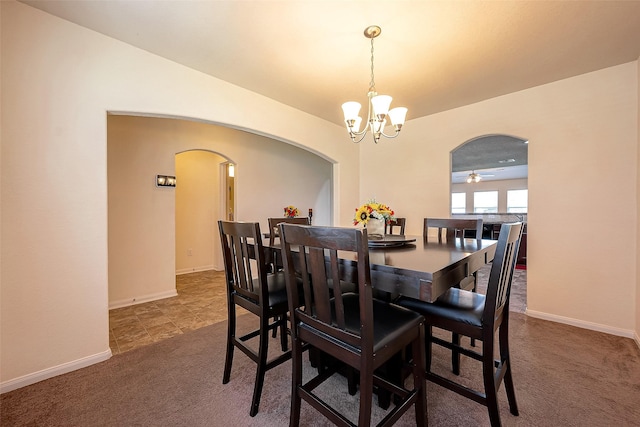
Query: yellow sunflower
{"points": [[362, 215]]}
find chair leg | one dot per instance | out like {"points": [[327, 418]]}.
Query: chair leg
{"points": [[455, 354], [314, 358], [506, 359], [262, 364], [511, 393], [352, 381], [475, 285], [296, 381], [419, 382], [428, 331], [391, 371], [366, 397], [275, 330], [490, 387], [284, 342], [231, 333]]}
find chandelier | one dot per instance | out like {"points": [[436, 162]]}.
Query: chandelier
{"points": [[473, 177], [378, 107]]}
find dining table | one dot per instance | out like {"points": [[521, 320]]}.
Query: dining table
{"points": [[417, 268]]}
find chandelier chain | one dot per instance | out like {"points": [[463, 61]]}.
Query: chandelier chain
{"points": [[372, 83]]}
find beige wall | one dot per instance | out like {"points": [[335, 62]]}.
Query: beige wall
{"points": [[59, 81], [583, 139]]}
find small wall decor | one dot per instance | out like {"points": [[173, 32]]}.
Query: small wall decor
{"points": [[165, 181]]}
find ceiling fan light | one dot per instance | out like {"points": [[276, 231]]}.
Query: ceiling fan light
{"points": [[473, 178]]}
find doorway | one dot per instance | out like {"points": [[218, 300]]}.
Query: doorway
{"points": [[205, 193], [489, 180]]}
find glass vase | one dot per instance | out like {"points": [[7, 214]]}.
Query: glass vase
{"points": [[375, 228]]}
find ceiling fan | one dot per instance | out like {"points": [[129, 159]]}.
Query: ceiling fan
{"points": [[476, 177]]}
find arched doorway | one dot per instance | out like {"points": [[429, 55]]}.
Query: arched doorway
{"points": [[204, 195], [489, 179]]}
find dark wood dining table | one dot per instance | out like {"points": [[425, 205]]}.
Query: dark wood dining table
{"points": [[417, 268]]}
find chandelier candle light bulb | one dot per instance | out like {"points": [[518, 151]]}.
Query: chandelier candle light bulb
{"points": [[378, 107]]}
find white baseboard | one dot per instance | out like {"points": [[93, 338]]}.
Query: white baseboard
{"points": [[627, 333], [139, 300], [194, 269], [45, 374], [637, 339]]}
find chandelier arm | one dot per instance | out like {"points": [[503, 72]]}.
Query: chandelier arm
{"points": [[361, 134], [390, 136]]}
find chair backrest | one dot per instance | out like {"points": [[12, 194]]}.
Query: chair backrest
{"points": [[452, 227], [273, 225], [312, 254], [397, 223], [499, 285], [244, 260]]}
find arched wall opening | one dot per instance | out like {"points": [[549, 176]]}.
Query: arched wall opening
{"points": [[489, 180], [269, 175], [494, 162]]}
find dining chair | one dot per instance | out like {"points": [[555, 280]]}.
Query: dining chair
{"points": [[451, 228], [273, 257], [274, 233], [395, 224], [250, 286], [352, 327], [478, 316]]}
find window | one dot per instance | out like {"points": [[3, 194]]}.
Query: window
{"points": [[517, 201], [485, 202], [458, 202]]}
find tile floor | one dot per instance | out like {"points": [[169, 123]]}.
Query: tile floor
{"points": [[201, 301]]}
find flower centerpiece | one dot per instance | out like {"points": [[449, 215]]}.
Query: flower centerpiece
{"points": [[291, 211], [373, 215]]}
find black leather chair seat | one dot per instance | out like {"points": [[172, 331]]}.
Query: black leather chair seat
{"points": [[455, 304], [391, 321], [277, 290]]}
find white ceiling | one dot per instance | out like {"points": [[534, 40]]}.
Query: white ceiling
{"points": [[431, 56]]}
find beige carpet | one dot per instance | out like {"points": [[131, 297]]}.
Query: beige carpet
{"points": [[564, 376]]}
